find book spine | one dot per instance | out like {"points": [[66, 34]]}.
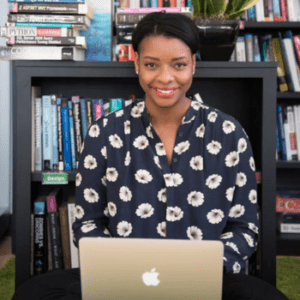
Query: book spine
{"points": [[281, 131], [260, 11], [38, 134], [60, 137], [89, 108], [54, 133], [54, 232], [37, 31], [289, 228], [73, 248], [64, 230], [284, 14], [123, 3], [98, 110], [291, 11], [271, 12], [77, 124], [115, 104], [278, 151], [160, 3], [154, 3], [40, 250], [47, 1], [47, 25], [297, 127], [146, 10], [84, 118], [240, 49], [252, 13], [266, 11], [134, 4], [105, 107], [66, 134], [256, 50], [72, 135], [47, 133], [296, 40], [277, 11], [173, 3], [249, 47], [31, 244]]}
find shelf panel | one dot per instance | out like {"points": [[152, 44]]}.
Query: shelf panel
{"points": [[288, 244], [288, 164], [288, 95], [271, 25]]}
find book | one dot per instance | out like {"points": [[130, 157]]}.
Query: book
{"points": [[64, 230], [124, 33], [278, 151], [78, 41], [284, 13], [47, 132], [297, 10], [36, 140], [72, 135], [66, 134], [38, 18], [84, 118], [8, 31], [134, 4], [99, 34], [48, 1], [288, 227], [153, 3], [50, 264], [260, 11], [41, 53], [277, 11], [47, 25], [290, 134], [266, 11], [145, 3], [240, 49], [296, 40], [115, 104], [281, 132], [249, 46], [52, 202], [31, 244], [60, 136], [256, 49], [97, 109], [40, 246], [123, 3], [73, 249], [89, 111], [54, 133], [252, 13], [53, 8], [153, 9], [271, 13], [291, 11]]}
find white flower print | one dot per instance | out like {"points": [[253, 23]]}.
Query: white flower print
{"points": [[195, 198], [196, 105], [241, 179], [136, 112], [90, 195], [124, 228], [90, 162], [242, 145], [173, 179], [141, 142], [161, 229], [253, 227], [106, 231], [213, 181], [125, 193], [87, 227], [214, 147], [194, 233], [141, 106], [230, 193], [228, 127], [94, 131], [82, 147], [236, 268], [253, 196], [169, 179], [104, 152], [232, 159], [112, 208], [236, 211], [115, 141], [200, 131], [162, 195], [226, 235], [182, 147], [196, 163], [212, 116], [143, 176], [78, 179], [233, 246], [106, 212], [189, 121], [111, 174], [149, 132], [105, 121], [249, 239], [145, 210], [79, 212], [127, 159], [119, 113], [215, 216], [127, 127], [252, 163], [160, 149], [245, 257], [156, 160], [103, 180], [224, 258], [174, 213]]}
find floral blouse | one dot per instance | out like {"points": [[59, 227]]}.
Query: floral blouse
{"points": [[125, 186]]}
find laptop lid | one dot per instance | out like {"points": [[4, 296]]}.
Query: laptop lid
{"points": [[135, 268]]}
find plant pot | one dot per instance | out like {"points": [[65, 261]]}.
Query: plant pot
{"points": [[217, 38]]}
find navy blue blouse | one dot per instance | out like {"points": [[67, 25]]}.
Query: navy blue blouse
{"points": [[125, 186]]}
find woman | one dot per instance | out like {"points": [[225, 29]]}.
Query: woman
{"points": [[166, 167]]}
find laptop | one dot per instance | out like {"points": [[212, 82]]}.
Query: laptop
{"points": [[136, 268]]}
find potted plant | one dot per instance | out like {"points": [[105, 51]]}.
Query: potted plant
{"points": [[218, 23]]}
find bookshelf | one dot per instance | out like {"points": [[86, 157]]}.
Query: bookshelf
{"points": [[247, 91]]}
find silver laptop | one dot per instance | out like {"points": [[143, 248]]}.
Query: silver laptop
{"points": [[134, 268]]}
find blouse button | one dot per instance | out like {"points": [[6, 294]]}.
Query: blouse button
{"points": [[175, 159], [180, 134]]}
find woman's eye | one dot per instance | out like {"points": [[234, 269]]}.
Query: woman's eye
{"points": [[150, 65], [180, 65]]}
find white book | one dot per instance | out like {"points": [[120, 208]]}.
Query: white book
{"points": [[249, 47], [134, 3], [240, 49], [297, 127], [287, 140], [260, 11], [288, 227], [74, 251], [297, 9], [293, 64], [233, 55], [292, 133], [291, 11]]}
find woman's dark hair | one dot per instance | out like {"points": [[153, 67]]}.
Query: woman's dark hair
{"points": [[172, 25]]}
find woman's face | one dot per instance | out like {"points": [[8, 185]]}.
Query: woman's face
{"points": [[165, 67]]}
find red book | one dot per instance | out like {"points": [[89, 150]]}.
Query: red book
{"points": [[160, 3], [284, 204], [283, 6], [124, 3], [173, 3], [296, 39]]}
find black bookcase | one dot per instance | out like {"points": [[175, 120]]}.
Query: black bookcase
{"points": [[247, 91]]}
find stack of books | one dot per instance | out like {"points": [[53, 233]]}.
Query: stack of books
{"points": [[46, 30]]}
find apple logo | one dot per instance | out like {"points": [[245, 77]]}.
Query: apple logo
{"points": [[150, 278]]}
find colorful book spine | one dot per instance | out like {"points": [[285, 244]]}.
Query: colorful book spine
{"points": [[89, 108], [249, 46], [123, 3], [284, 13], [47, 133], [291, 11], [278, 151], [277, 11], [40, 248], [260, 11], [266, 11], [84, 121], [296, 39], [38, 134], [252, 13], [115, 104], [48, 25], [54, 133], [72, 135], [154, 3], [296, 109], [145, 3], [281, 131], [77, 125], [47, 1], [271, 13], [189, 4], [292, 133], [153, 9], [66, 134], [240, 49], [97, 109], [60, 136]]}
